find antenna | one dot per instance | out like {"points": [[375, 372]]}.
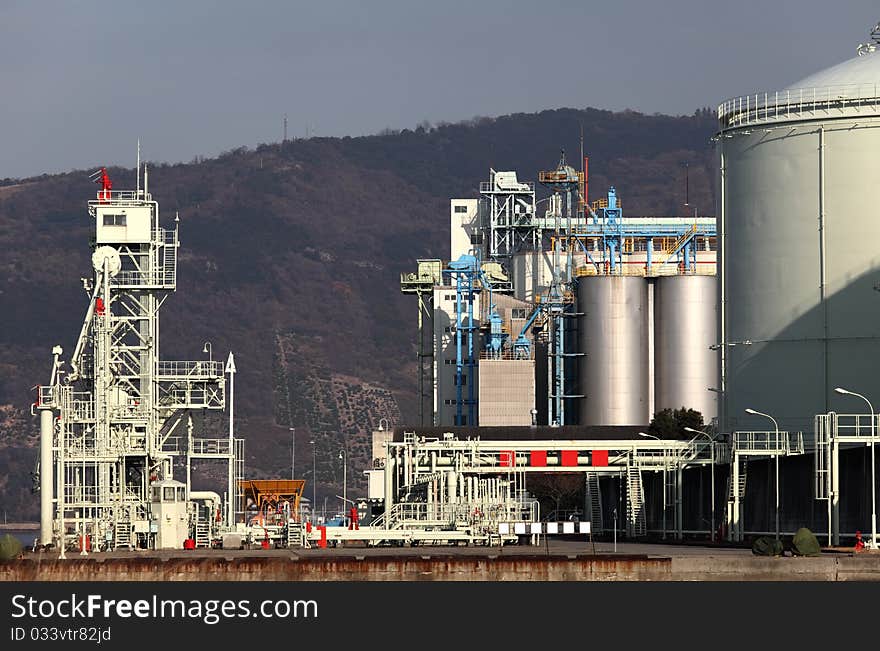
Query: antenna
{"points": [[146, 180], [285, 128], [687, 183], [582, 141], [137, 169]]}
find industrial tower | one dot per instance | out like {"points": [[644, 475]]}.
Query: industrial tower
{"points": [[109, 418]]}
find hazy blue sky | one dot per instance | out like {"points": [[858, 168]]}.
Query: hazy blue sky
{"points": [[82, 81]]}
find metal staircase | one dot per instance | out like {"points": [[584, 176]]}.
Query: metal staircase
{"points": [[679, 243], [594, 497], [822, 457], [635, 504], [295, 536], [203, 537], [122, 535], [735, 494], [669, 488]]}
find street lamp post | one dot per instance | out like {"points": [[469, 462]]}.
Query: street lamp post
{"points": [[314, 483], [292, 452], [344, 481], [873, 484], [776, 456], [712, 443], [208, 349]]}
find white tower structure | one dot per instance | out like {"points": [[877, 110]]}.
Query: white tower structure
{"points": [[510, 223], [108, 424]]}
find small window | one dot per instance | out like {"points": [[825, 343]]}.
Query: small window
{"points": [[114, 220], [181, 494], [168, 494], [450, 401], [461, 209], [518, 313], [463, 380]]}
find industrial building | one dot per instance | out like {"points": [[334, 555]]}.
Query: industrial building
{"points": [[555, 330], [579, 314], [626, 316]]}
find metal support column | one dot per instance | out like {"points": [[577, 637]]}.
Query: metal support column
{"points": [[835, 492], [733, 513], [46, 493], [679, 533]]}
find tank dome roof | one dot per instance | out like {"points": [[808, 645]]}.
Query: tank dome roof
{"points": [[860, 70]]}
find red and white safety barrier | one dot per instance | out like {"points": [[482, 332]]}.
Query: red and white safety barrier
{"points": [[549, 528]]}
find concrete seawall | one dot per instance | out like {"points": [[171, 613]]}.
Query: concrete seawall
{"points": [[829, 567]]}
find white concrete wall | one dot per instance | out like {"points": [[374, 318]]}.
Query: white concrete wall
{"points": [[462, 226]]}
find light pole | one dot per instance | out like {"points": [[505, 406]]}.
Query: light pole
{"points": [[292, 452], [873, 485], [649, 436], [208, 349], [314, 483], [230, 369], [776, 456], [344, 481], [712, 443]]}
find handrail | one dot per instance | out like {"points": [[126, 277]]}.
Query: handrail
{"points": [[656, 269], [770, 442], [764, 107], [683, 238], [489, 186], [197, 370]]}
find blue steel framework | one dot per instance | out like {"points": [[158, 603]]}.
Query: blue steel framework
{"points": [[603, 222], [565, 182], [469, 281]]}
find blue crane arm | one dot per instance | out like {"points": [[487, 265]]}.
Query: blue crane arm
{"points": [[531, 320]]}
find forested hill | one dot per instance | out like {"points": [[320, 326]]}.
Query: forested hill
{"points": [[290, 256]]}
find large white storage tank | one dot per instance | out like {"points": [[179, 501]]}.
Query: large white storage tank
{"points": [[800, 248], [614, 368], [685, 331]]}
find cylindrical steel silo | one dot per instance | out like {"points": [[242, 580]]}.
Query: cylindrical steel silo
{"points": [[799, 257], [614, 342], [685, 326]]}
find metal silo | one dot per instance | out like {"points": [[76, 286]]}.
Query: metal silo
{"points": [[614, 340], [685, 326], [800, 247]]}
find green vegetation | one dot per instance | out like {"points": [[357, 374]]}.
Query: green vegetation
{"points": [[670, 423]]}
